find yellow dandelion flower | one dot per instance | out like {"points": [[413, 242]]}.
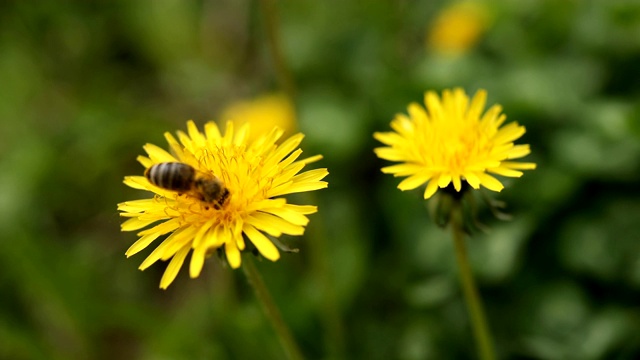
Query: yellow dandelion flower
{"points": [[232, 193], [452, 141], [263, 113], [458, 27]]}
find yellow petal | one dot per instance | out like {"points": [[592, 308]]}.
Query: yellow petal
{"points": [[137, 182], [241, 135], [262, 243], [265, 142], [431, 189], [135, 224], [477, 105], [444, 180], [157, 154], [472, 179], [178, 240], [403, 125], [389, 138], [197, 261], [233, 254], [501, 151], [199, 236], [289, 159], [263, 225], [266, 203], [285, 176], [302, 209], [145, 161], [163, 228], [403, 169], [286, 147], [414, 181], [492, 116], [141, 243], [519, 151], [155, 255], [268, 223], [503, 171], [161, 251], [136, 206], [457, 184], [390, 154], [310, 159], [215, 237], [500, 119], [292, 188], [195, 134], [490, 182], [212, 131], [281, 224], [457, 104], [509, 133], [417, 113], [311, 176], [434, 107], [289, 215], [239, 239], [176, 148], [519, 165], [174, 267], [227, 139]]}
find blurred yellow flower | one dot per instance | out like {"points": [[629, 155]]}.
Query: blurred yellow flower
{"points": [[458, 27], [263, 113], [453, 141], [255, 175]]}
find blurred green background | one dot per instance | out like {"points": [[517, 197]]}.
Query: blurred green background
{"points": [[84, 84]]}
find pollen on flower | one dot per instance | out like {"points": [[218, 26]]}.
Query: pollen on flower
{"points": [[452, 140], [256, 174]]}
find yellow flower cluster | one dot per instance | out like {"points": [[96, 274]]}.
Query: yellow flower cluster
{"points": [[215, 191]]}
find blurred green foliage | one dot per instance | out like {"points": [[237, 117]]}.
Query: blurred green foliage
{"points": [[84, 84]]}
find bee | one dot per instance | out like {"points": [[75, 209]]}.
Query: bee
{"points": [[183, 178]]}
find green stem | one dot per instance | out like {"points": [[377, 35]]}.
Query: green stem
{"points": [[271, 310], [331, 317], [472, 298], [273, 35]]}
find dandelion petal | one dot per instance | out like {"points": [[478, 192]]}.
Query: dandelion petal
{"points": [[262, 243], [233, 254], [197, 261], [174, 267], [490, 182]]}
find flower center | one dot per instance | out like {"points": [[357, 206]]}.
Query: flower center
{"points": [[453, 146]]}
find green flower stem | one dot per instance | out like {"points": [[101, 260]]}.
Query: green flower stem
{"points": [[331, 317], [271, 310], [472, 298], [270, 16], [332, 322]]}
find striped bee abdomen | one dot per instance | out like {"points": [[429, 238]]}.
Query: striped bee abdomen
{"points": [[174, 176]]}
